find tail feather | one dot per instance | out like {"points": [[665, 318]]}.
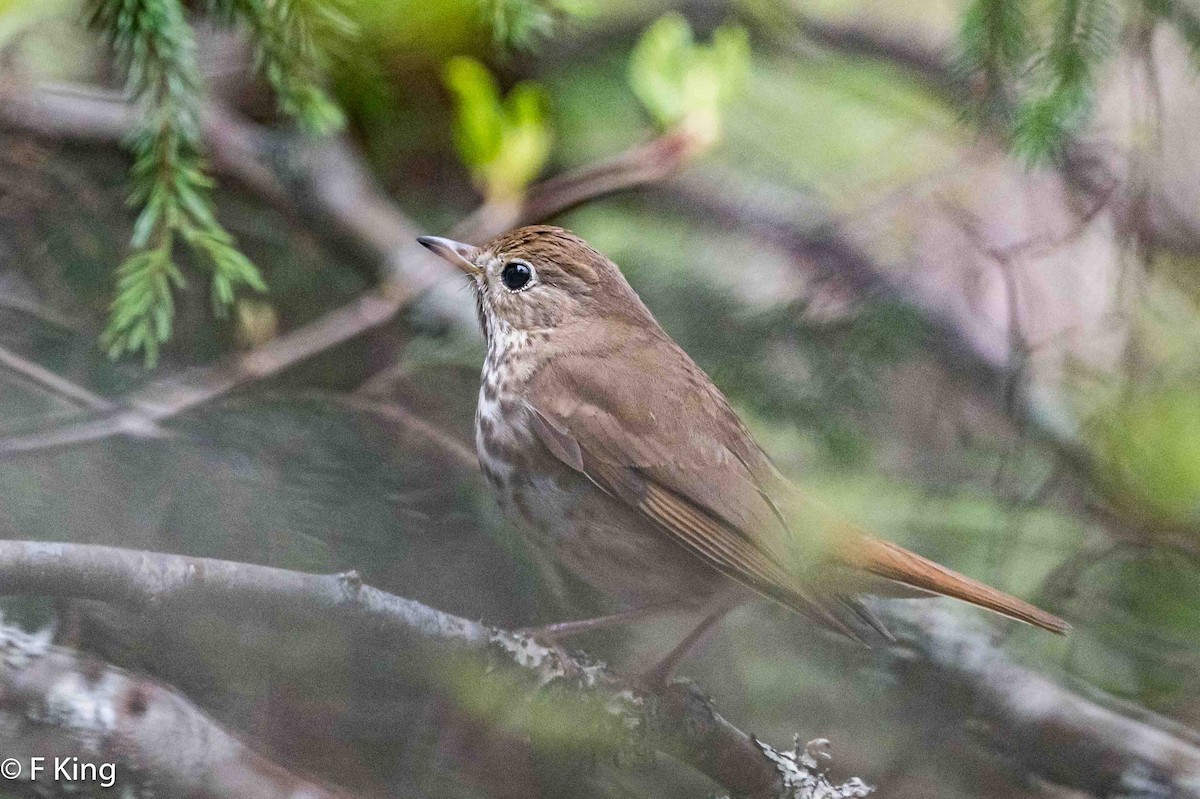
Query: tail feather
{"points": [[892, 562]]}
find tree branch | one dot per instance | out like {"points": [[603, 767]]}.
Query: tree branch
{"points": [[679, 720], [331, 182], [59, 386], [651, 162], [120, 731], [1053, 732]]}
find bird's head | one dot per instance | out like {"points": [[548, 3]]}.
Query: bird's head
{"points": [[542, 278]]}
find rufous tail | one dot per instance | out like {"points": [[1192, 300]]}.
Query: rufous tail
{"points": [[893, 562]]}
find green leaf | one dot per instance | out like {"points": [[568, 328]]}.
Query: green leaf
{"points": [[658, 68], [524, 141], [477, 113], [504, 142], [685, 84], [1149, 449]]}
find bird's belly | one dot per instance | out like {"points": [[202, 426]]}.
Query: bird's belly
{"points": [[598, 538]]}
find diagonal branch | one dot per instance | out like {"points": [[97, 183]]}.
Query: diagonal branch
{"points": [[1055, 733], [119, 731], [678, 720], [55, 384], [331, 183], [642, 164]]}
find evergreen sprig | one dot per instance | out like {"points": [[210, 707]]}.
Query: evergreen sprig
{"points": [[1036, 65], [995, 47], [517, 24], [1065, 77], [522, 24], [155, 47], [292, 39]]}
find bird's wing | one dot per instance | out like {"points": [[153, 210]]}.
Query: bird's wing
{"points": [[684, 460]]}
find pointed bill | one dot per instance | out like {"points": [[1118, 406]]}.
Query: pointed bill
{"points": [[461, 255]]}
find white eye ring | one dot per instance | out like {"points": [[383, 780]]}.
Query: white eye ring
{"points": [[517, 276]]}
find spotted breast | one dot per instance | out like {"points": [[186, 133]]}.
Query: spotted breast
{"points": [[560, 514]]}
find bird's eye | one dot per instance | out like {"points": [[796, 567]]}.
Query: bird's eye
{"points": [[516, 275]]}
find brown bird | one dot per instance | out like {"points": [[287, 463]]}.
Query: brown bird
{"points": [[600, 435]]}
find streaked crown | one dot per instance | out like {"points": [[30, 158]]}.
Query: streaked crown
{"points": [[542, 278]]}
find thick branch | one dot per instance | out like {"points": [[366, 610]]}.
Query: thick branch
{"points": [[679, 720], [129, 733], [1053, 732]]}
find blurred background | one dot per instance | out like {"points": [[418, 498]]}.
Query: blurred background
{"points": [[943, 257]]}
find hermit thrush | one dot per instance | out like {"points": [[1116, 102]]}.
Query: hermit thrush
{"points": [[600, 435]]}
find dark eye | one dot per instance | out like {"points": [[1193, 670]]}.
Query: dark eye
{"points": [[516, 275]]}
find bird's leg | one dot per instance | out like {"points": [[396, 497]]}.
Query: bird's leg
{"points": [[568, 629], [658, 675], [551, 635]]}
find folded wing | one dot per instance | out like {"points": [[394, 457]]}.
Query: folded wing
{"points": [[689, 465]]}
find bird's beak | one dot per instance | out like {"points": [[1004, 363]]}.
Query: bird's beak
{"points": [[461, 255]]}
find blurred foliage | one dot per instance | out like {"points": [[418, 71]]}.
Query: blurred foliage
{"points": [[1036, 64], [504, 141], [522, 24], [1150, 447], [292, 41], [1182, 16], [1145, 428], [517, 24], [684, 84]]}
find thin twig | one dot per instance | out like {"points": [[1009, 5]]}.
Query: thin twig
{"points": [[165, 399], [51, 382], [392, 411], [651, 162]]}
